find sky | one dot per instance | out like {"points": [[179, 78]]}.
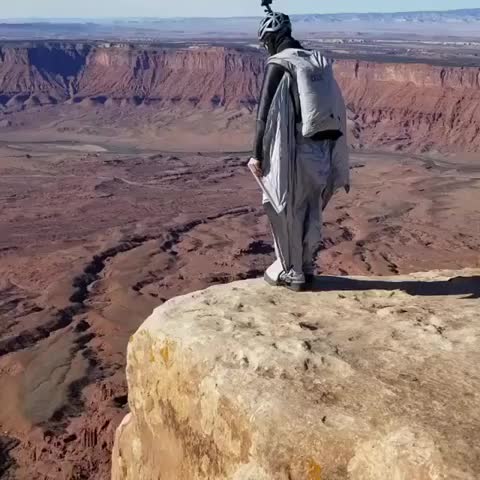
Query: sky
{"points": [[222, 8]]}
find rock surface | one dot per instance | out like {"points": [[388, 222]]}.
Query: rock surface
{"points": [[363, 379]]}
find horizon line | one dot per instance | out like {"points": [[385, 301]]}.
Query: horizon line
{"points": [[177, 17]]}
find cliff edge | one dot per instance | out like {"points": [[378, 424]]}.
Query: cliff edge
{"points": [[362, 379]]}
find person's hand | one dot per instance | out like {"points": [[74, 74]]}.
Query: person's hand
{"points": [[256, 167]]}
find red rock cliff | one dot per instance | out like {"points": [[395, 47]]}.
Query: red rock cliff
{"points": [[400, 106], [414, 105]]}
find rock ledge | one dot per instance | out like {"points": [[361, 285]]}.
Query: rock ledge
{"points": [[365, 379]]}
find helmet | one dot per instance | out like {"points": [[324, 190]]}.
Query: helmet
{"points": [[274, 22]]}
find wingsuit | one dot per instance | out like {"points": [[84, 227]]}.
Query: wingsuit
{"points": [[301, 145]]}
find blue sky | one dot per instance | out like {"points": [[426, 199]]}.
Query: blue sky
{"points": [[168, 8]]}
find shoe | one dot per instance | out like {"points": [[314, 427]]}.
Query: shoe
{"points": [[291, 281]]}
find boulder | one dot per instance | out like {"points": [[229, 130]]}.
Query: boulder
{"points": [[360, 379]]}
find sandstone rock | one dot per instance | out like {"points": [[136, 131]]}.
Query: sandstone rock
{"points": [[365, 379]]}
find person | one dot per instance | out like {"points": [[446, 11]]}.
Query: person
{"points": [[300, 152]]}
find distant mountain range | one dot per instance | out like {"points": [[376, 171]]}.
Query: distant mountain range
{"points": [[454, 23], [463, 15]]}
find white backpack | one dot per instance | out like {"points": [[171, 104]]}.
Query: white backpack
{"points": [[321, 103]]}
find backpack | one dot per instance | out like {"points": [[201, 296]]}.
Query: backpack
{"points": [[318, 92]]}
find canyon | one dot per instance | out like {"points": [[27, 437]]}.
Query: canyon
{"points": [[123, 184], [410, 107]]}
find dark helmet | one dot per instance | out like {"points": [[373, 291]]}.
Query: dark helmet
{"points": [[274, 22]]}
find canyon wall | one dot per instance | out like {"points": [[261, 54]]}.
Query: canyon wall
{"points": [[413, 107], [201, 78]]}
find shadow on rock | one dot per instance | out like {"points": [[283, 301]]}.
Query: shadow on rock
{"points": [[469, 286]]}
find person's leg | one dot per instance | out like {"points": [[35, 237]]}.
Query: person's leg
{"points": [[287, 229], [316, 162], [312, 235], [296, 224], [297, 230]]}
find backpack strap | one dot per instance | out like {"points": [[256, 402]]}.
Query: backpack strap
{"points": [[281, 59]]}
